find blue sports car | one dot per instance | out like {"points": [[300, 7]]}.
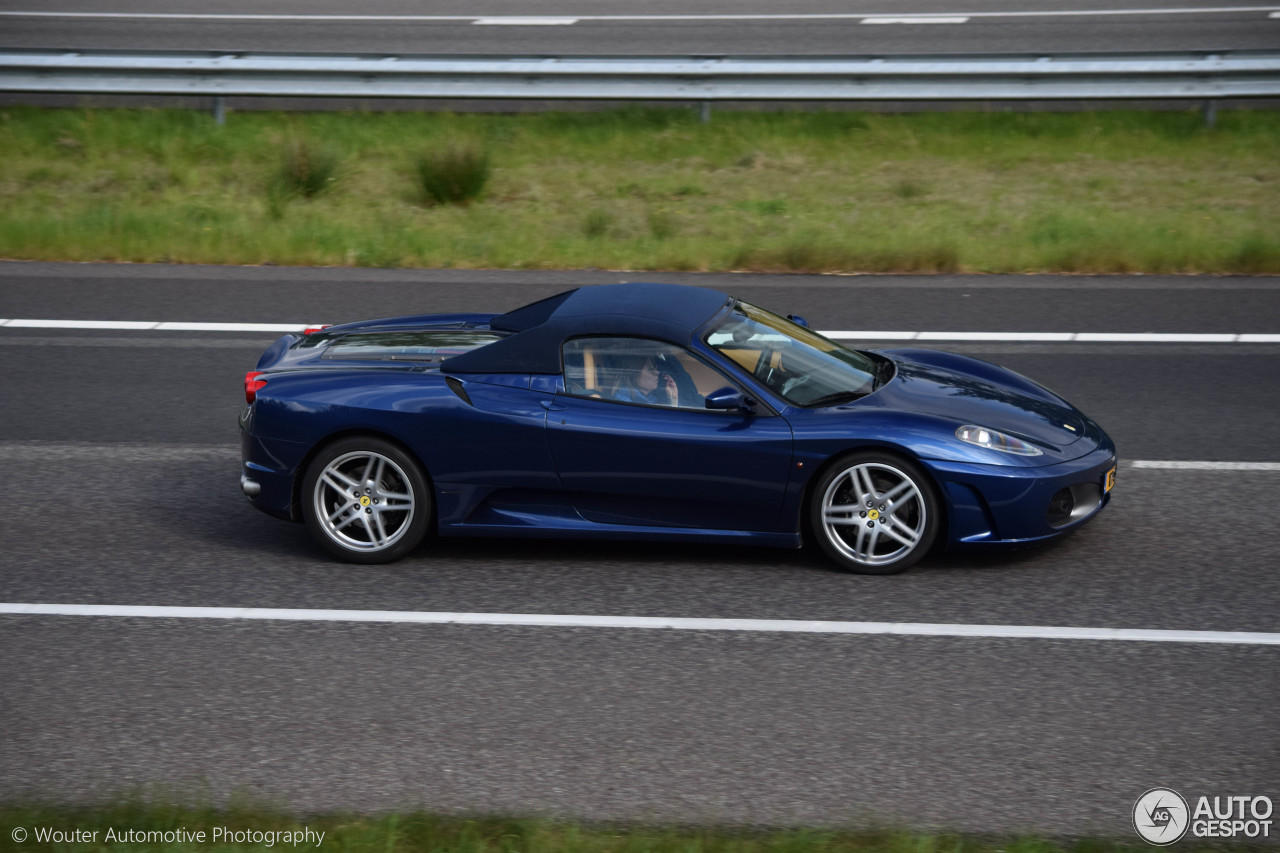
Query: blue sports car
{"points": [[657, 412]]}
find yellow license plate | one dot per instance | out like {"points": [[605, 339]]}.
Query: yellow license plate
{"points": [[1111, 481]]}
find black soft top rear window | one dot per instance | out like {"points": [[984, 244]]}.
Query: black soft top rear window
{"points": [[436, 345]]}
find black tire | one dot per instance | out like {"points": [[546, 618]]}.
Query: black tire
{"points": [[383, 508], [892, 516]]}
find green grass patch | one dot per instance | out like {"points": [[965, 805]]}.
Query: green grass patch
{"points": [[648, 189], [141, 828], [456, 174], [306, 169]]}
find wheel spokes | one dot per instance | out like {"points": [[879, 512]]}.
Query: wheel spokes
{"points": [[865, 488], [898, 530], [350, 518], [364, 487], [339, 481], [844, 514], [380, 536], [892, 495], [887, 510], [340, 511]]}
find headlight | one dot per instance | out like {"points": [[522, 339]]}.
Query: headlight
{"points": [[995, 440]]}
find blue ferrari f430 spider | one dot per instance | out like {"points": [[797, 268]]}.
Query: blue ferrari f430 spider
{"points": [[657, 412]]}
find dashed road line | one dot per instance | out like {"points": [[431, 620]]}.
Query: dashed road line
{"points": [[532, 21], [1057, 337], [538, 620], [907, 19], [1190, 465], [156, 326]]}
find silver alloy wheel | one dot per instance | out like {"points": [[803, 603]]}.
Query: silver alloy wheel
{"points": [[874, 514], [364, 501]]}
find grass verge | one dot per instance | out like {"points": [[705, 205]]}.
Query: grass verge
{"points": [[148, 828], [651, 190]]}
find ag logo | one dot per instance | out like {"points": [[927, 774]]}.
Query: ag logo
{"points": [[1161, 817]]}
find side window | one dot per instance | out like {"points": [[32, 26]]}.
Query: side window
{"points": [[634, 370]]}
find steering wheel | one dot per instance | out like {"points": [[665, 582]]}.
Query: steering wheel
{"points": [[772, 377]]}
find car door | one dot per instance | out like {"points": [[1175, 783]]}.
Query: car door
{"points": [[623, 459]]}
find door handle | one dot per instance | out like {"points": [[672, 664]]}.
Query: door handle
{"points": [[553, 406]]}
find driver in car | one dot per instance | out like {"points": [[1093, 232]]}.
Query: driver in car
{"points": [[641, 380]]}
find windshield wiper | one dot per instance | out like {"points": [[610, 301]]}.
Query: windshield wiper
{"points": [[833, 399]]}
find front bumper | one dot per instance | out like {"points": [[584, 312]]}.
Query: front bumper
{"points": [[1010, 505]]}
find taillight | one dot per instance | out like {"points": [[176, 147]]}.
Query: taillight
{"points": [[311, 330], [252, 385]]}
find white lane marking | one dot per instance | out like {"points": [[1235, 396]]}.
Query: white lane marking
{"points": [[80, 324], [818, 16], [792, 626], [871, 336], [513, 21], [994, 336], [859, 335], [1151, 337], [233, 327], [211, 16], [914, 20], [1189, 465], [153, 326], [1063, 337]]}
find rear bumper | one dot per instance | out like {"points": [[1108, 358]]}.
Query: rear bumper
{"points": [[267, 472], [993, 504], [251, 488]]}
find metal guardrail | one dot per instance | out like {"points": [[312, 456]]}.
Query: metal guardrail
{"points": [[1200, 76]]}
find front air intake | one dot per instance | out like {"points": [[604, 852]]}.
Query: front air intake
{"points": [[1060, 508], [1073, 503]]}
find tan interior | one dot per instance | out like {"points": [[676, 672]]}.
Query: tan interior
{"points": [[706, 379]]}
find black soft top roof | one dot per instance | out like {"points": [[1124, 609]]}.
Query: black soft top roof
{"points": [[666, 312]]}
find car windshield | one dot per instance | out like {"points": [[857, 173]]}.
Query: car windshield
{"points": [[801, 366]]}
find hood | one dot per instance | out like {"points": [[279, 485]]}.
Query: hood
{"points": [[971, 391]]}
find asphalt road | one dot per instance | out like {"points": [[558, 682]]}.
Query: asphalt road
{"points": [[120, 451], [655, 27]]}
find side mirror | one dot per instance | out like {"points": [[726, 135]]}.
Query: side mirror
{"points": [[730, 399], [798, 320]]}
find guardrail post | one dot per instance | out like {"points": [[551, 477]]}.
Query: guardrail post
{"points": [[704, 112], [1210, 113], [219, 109]]}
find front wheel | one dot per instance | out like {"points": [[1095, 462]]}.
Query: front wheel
{"points": [[366, 500], [874, 513]]}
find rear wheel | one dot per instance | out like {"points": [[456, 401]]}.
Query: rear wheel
{"points": [[874, 513], [366, 500]]}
